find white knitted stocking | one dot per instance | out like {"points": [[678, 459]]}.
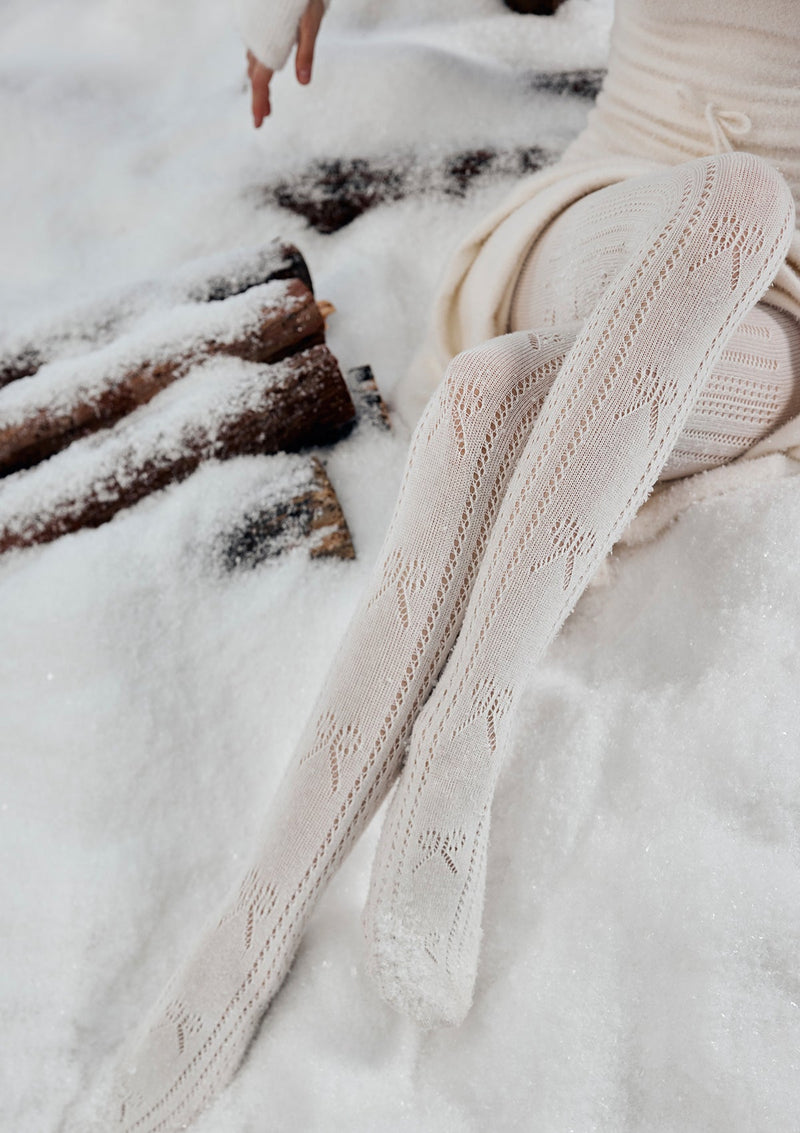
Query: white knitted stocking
{"points": [[753, 388], [709, 237], [462, 454]]}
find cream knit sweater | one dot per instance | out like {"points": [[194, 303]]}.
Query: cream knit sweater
{"points": [[686, 78]]}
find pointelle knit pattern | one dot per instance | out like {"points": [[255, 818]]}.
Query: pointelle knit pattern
{"points": [[638, 396]]}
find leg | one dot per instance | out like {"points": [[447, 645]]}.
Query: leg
{"points": [[461, 456], [717, 232], [753, 388]]}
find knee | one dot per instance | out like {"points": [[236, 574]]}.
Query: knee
{"points": [[488, 371], [478, 385], [756, 191], [738, 223], [487, 386]]}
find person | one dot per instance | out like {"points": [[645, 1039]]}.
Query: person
{"points": [[626, 320]]}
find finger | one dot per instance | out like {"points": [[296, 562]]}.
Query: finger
{"points": [[251, 63], [260, 81], [307, 37]]}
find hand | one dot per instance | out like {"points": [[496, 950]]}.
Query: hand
{"points": [[261, 76]]}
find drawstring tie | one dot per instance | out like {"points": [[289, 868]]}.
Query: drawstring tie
{"points": [[722, 124]]}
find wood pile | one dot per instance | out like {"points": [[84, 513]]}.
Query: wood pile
{"points": [[103, 408]]}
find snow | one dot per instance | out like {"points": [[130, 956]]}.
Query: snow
{"points": [[640, 935]]}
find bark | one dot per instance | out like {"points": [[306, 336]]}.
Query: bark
{"points": [[84, 395], [223, 408], [370, 406], [534, 7], [93, 324], [311, 517]]}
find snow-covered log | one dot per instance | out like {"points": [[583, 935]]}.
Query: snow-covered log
{"points": [[223, 407], [370, 406], [534, 7], [76, 329], [298, 508], [41, 415]]}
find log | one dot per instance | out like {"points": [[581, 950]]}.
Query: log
{"points": [[68, 399], [583, 84], [94, 323], [331, 192], [534, 7], [312, 516], [370, 406], [223, 407], [309, 515]]}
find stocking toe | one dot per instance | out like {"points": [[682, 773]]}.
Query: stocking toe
{"points": [[406, 964]]}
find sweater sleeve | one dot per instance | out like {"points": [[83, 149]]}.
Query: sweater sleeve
{"points": [[269, 27]]}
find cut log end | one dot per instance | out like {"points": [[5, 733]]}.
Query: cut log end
{"points": [[325, 309], [369, 404], [312, 518]]}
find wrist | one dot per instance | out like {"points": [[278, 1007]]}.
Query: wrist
{"points": [[269, 29]]}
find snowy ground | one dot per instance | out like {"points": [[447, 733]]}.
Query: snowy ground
{"points": [[639, 966]]}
